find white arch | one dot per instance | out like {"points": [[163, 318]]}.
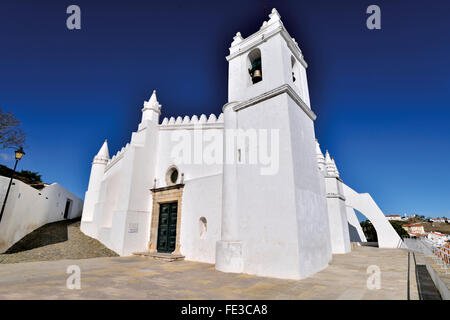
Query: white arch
{"points": [[363, 202], [354, 227]]}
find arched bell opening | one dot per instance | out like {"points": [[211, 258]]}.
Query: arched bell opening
{"points": [[255, 66], [296, 76]]}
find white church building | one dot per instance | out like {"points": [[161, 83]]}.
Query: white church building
{"points": [[249, 190]]}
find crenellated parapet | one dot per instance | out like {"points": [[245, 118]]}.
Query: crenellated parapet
{"points": [[212, 122], [179, 123], [330, 166], [116, 158], [320, 158], [326, 163]]}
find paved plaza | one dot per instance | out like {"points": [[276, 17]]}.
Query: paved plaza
{"points": [[145, 278]]}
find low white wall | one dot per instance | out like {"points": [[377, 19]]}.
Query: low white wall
{"points": [[28, 209]]}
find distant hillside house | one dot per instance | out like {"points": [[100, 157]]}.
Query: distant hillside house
{"points": [[438, 238], [394, 217], [443, 219], [414, 228]]}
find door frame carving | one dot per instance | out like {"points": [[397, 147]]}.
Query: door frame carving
{"points": [[165, 195]]}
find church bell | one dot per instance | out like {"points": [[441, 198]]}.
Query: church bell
{"points": [[257, 76], [255, 71]]}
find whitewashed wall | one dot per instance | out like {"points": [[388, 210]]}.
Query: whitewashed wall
{"points": [[28, 209], [202, 197], [165, 159], [111, 216], [202, 194], [282, 217]]}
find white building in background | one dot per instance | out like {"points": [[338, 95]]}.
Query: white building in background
{"points": [[441, 219], [414, 228], [438, 238], [28, 208], [394, 217], [249, 190]]}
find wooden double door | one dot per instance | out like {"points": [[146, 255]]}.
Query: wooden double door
{"points": [[167, 227]]}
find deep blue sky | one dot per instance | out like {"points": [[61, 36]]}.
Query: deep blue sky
{"points": [[382, 97]]}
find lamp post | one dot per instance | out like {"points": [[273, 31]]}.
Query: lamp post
{"points": [[19, 153]]}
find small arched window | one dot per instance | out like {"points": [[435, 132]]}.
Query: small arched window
{"points": [[254, 64], [203, 227]]}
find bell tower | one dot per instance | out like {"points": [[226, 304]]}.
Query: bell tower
{"points": [[273, 224], [264, 61]]}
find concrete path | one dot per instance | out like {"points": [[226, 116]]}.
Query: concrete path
{"points": [[144, 278], [427, 288]]}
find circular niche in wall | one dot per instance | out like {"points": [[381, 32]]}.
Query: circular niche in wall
{"points": [[172, 175]]}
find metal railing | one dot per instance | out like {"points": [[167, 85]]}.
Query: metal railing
{"points": [[439, 254]]}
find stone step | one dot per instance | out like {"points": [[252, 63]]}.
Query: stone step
{"points": [[169, 257]]}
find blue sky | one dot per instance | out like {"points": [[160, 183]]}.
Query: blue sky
{"points": [[381, 96]]}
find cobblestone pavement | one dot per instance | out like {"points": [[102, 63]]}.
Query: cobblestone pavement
{"points": [[55, 241], [145, 278]]}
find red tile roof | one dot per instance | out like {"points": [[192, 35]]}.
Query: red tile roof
{"points": [[413, 225], [417, 234]]}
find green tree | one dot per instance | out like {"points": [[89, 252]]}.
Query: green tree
{"points": [[398, 227], [369, 231], [371, 234], [32, 176]]}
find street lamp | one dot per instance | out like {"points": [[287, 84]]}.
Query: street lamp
{"points": [[19, 153]]}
